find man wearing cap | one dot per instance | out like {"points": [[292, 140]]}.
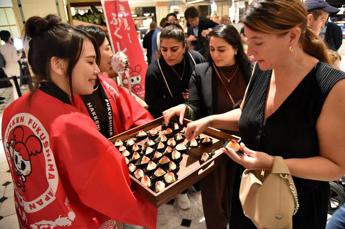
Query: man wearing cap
{"points": [[318, 13]]}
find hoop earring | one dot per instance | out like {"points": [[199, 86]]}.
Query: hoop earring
{"points": [[291, 49], [96, 87]]}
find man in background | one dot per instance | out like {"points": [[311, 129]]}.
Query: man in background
{"points": [[198, 29], [11, 57], [155, 39], [225, 20], [147, 41], [172, 18], [317, 19]]}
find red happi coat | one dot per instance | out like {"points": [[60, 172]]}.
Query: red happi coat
{"points": [[65, 172], [127, 112]]}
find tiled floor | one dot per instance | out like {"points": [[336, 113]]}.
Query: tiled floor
{"points": [[7, 94]]}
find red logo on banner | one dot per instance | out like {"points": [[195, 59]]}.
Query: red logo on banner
{"points": [[124, 39]]}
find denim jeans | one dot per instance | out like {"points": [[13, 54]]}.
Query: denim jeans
{"points": [[337, 220]]}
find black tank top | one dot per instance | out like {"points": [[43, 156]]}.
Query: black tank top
{"points": [[290, 131]]}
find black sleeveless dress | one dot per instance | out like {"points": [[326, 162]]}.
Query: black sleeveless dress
{"points": [[289, 132]]}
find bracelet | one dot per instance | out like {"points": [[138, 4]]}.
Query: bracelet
{"points": [[190, 114]]}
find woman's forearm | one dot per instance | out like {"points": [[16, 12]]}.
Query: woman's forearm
{"points": [[326, 170], [226, 121]]}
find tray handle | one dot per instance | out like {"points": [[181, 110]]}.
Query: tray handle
{"points": [[202, 170]]}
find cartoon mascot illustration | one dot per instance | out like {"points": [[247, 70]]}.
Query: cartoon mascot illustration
{"points": [[21, 150], [135, 79]]}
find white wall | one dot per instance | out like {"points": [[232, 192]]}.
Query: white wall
{"points": [[8, 21], [36, 8], [141, 3], [40, 8]]}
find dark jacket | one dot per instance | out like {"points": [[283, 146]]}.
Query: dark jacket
{"points": [[216, 187], [202, 90], [333, 36], [147, 44], [163, 92], [201, 44]]}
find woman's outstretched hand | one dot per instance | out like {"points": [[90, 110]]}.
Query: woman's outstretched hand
{"points": [[250, 159], [178, 110], [197, 127]]}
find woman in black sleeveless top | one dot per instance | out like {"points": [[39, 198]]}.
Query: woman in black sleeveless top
{"points": [[294, 107]]}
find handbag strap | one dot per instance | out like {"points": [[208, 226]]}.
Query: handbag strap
{"points": [[279, 167], [292, 187]]}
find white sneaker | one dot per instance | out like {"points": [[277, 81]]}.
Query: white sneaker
{"points": [[182, 201]]}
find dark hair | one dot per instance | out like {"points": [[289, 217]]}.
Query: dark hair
{"points": [[171, 14], [5, 35], [278, 17], [153, 25], [49, 37], [230, 34], [173, 31], [163, 22], [98, 35], [191, 12]]}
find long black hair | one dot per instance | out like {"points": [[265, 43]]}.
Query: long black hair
{"points": [[50, 37], [230, 34]]}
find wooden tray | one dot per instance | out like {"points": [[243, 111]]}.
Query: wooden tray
{"points": [[191, 170]]}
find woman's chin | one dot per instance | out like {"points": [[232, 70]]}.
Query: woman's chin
{"points": [[264, 66], [220, 64], [87, 92], [111, 72]]}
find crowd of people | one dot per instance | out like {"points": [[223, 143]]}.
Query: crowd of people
{"points": [[276, 83]]}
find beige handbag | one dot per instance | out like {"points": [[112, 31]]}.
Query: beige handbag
{"points": [[269, 198]]}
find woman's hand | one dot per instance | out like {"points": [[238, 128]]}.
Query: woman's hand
{"points": [[197, 127], [250, 159], [178, 110], [191, 38]]}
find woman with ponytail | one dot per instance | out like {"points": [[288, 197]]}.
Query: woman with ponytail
{"points": [[65, 173], [294, 107]]}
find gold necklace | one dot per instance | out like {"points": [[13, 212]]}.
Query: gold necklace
{"points": [[222, 81], [231, 76]]}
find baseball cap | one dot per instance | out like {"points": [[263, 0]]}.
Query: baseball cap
{"points": [[320, 5]]}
